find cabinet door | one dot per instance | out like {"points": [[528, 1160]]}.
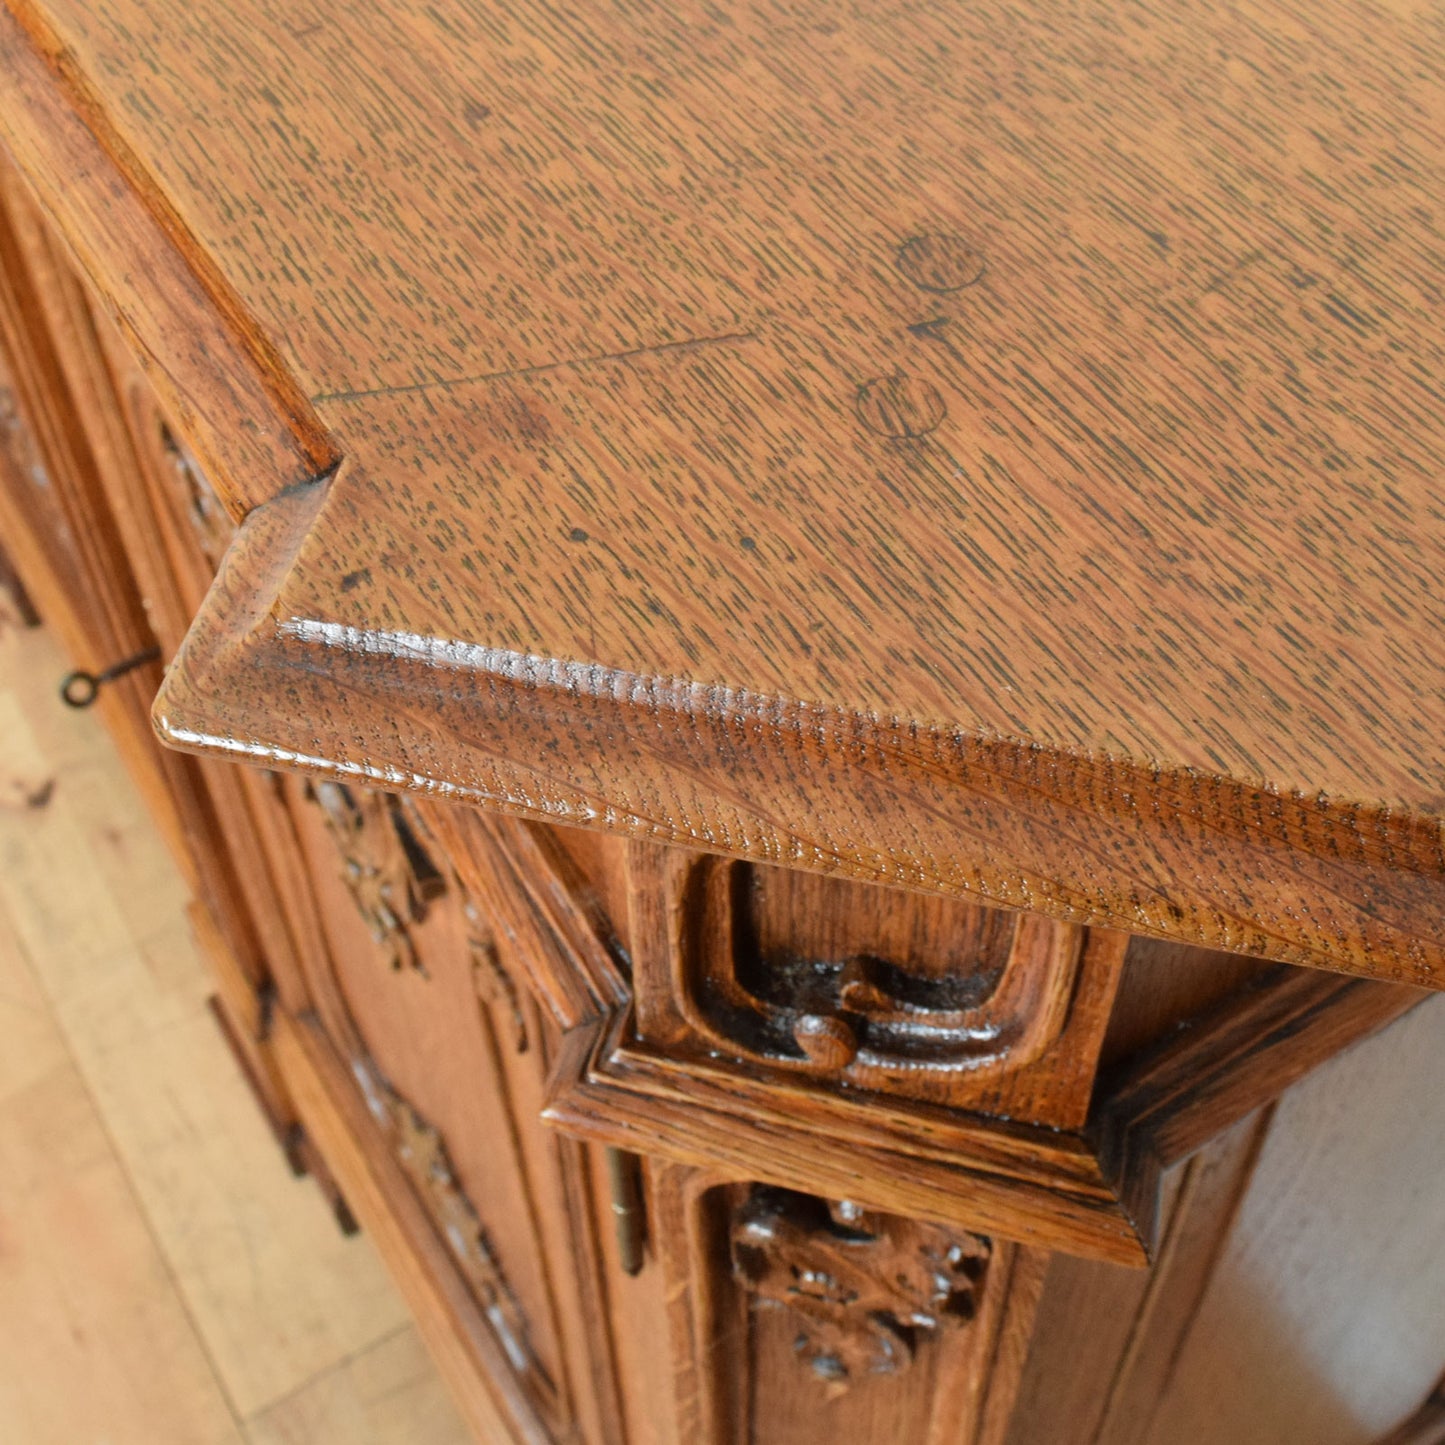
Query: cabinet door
{"points": [[423, 994]]}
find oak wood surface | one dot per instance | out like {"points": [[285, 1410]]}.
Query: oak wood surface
{"points": [[1041, 1187], [426, 1003], [1209, 1041], [54, 511], [791, 1360], [464, 1349], [1225, 1064], [386, 1395], [956, 1004], [990, 451]]}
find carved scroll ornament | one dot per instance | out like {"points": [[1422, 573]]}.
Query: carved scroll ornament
{"points": [[864, 1019]]}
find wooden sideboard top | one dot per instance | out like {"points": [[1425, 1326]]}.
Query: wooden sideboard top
{"points": [[986, 448]]}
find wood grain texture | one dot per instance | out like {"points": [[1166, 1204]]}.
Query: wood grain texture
{"points": [[1105, 1340], [631, 1078], [988, 452], [216, 372], [268, 1289], [85, 511], [1087, 1182], [451, 1055], [380, 1396], [54, 510], [1039, 1186], [454, 1329], [1321, 1320], [104, 1318]]}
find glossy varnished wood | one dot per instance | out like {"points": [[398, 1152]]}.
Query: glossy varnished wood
{"points": [[986, 452]]}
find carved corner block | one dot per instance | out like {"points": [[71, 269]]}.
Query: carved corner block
{"points": [[917, 1055], [963, 1092]]}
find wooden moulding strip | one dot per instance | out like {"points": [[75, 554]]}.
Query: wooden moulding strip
{"points": [[940, 805], [466, 1352], [261, 677], [1037, 1187], [1237, 1058]]}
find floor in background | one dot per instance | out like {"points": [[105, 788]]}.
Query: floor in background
{"points": [[164, 1280]]}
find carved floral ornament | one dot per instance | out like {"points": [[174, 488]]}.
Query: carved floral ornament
{"points": [[866, 1290], [390, 874], [395, 883], [419, 1148]]}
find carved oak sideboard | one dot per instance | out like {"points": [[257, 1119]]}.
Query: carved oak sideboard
{"points": [[801, 651]]}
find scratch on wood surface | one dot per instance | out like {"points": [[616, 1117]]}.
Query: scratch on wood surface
{"points": [[446, 384]]}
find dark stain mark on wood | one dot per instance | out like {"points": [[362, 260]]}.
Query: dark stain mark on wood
{"points": [[900, 406], [31, 796], [940, 263]]}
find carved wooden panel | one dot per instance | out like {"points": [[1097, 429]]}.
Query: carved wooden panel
{"points": [[902, 1070], [795, 1317], [878, 990], [424, 1157], [424, 994], [496, 988]]}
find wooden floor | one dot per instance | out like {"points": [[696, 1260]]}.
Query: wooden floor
{"points": [[163, 1278]]}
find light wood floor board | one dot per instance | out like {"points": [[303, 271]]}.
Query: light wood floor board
{"points": [[33, 1045], [95, 1343], [163, 1278], [388, 1395]]}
